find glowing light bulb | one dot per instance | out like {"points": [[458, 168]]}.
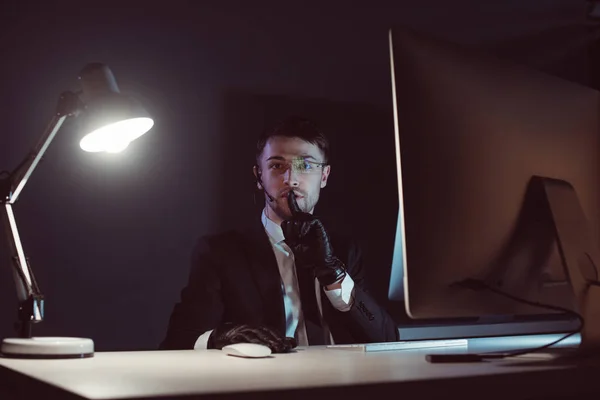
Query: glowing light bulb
{"points": [[115, 137]]}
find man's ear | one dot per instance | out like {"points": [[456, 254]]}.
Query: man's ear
{"points": [[257, 176], [325, 175]]}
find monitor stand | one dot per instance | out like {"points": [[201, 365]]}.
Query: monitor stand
{"points": [[580, 256]]}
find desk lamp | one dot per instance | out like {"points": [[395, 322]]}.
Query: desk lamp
{"points": [[110, 121]]}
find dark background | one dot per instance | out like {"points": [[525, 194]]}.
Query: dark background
{"points": [[109, 236]]}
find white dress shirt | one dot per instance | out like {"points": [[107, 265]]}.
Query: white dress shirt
{"points": [[341, 299]]}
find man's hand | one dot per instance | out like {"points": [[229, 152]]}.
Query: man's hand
{"points": [[228, 334], [308, 239]]}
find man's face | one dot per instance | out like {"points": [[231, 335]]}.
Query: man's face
{"points": [[291, 164]]}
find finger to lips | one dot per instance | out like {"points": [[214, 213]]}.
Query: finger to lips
{"points": [[293, 204]]}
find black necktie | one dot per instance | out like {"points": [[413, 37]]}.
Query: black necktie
{"points": [[310, 309]]}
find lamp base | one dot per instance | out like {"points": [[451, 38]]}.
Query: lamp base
{"points": [[47, 348]]}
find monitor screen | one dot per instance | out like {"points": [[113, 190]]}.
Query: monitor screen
{"points": [[471, 131]]}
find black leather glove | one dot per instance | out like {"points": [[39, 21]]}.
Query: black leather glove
{"points": [[308, 239], [229, 333]]}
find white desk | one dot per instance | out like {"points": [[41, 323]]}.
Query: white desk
{"points": [[309, 373]]}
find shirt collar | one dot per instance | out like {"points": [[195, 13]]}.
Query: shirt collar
{"points": [[273, 230]]}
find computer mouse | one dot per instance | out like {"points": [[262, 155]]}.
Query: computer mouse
{"points": [[247, 350]]}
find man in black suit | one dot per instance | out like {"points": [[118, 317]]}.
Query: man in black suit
{"points": [[285, 281]]}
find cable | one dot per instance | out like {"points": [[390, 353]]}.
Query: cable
{"points": [[259, 181], [475, 284]]}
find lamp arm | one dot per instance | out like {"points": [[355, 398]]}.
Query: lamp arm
{"points": [[31, 300], [68, 105]]}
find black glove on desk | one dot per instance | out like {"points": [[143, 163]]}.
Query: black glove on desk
{"points": [[308, 239], [227, 334]]}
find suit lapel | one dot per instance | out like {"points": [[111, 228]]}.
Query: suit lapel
{"points": [[265, 272]]}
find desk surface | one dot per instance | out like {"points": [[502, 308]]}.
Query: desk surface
{"points": [[168, 374]]}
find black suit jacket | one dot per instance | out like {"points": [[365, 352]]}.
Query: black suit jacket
{"points": [[235, 278]]}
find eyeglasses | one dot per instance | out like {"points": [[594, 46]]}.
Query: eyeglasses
{"points": [[297, 165]]}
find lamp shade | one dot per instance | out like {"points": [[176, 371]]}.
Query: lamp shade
{"points": [[110, 119]]}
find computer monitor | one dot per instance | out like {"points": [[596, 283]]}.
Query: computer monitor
{"points": [[471, 132]]}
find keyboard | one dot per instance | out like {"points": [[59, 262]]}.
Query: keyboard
{"points": [[405, 345]]}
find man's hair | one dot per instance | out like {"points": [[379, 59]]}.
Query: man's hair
{"points": [[295, 127]]}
